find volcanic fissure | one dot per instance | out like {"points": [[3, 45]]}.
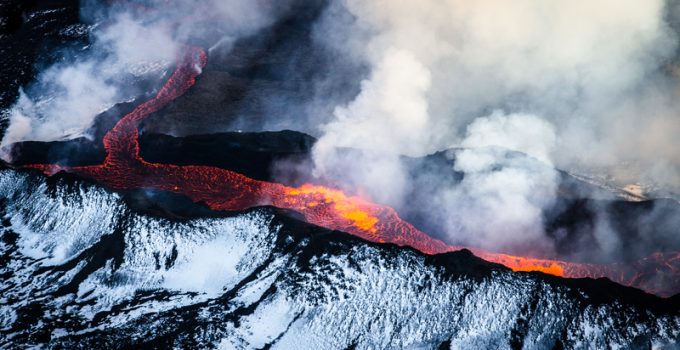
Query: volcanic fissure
{"points": [[222, 189]]}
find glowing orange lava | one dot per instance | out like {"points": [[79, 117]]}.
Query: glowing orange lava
{"points": [[222, 189]]}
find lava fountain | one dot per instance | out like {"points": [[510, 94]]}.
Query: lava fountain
{"points": [[222, 189]]}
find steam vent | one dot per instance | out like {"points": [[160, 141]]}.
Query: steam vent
{"points": [[340, 174]]}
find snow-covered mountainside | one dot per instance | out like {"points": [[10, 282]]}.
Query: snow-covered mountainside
{"points": [[81, 269]]}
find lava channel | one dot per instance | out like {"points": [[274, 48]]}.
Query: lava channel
{"points": [[222, 189]]}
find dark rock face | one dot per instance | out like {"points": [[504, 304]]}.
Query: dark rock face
{"points": [[267, 81], [258, 155], [30, 31], [81, 269], [80, 151]]}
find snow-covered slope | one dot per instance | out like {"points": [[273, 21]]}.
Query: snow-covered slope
{"points": [[80, 269]]}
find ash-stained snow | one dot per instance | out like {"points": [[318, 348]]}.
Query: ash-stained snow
{"points": [[80, 269]]}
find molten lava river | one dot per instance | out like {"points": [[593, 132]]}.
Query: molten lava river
{"points": [[222, 189]]}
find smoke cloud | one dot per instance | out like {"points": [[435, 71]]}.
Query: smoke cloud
{"points": [[578, 85], [130, 43], [499, 202]]}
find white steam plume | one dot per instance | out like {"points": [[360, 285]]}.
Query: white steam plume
{"points": [[68, 96], [128, 43], [373, 122], [597, 73], [499, 202]]}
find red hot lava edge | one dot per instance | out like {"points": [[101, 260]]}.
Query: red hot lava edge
{"points": [[222, 189]]}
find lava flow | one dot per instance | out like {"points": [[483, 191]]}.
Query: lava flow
{"points": [[222, 189]]}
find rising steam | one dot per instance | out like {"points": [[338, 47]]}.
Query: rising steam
{"points": [[584, 86], [129, 43]]}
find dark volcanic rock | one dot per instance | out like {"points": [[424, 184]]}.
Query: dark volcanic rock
{"points": [[256, 155], [640, 228], [267, 81], [30, 33], [79, 151]]}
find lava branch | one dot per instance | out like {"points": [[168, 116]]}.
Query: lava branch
{"points": [[223, 189]]}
